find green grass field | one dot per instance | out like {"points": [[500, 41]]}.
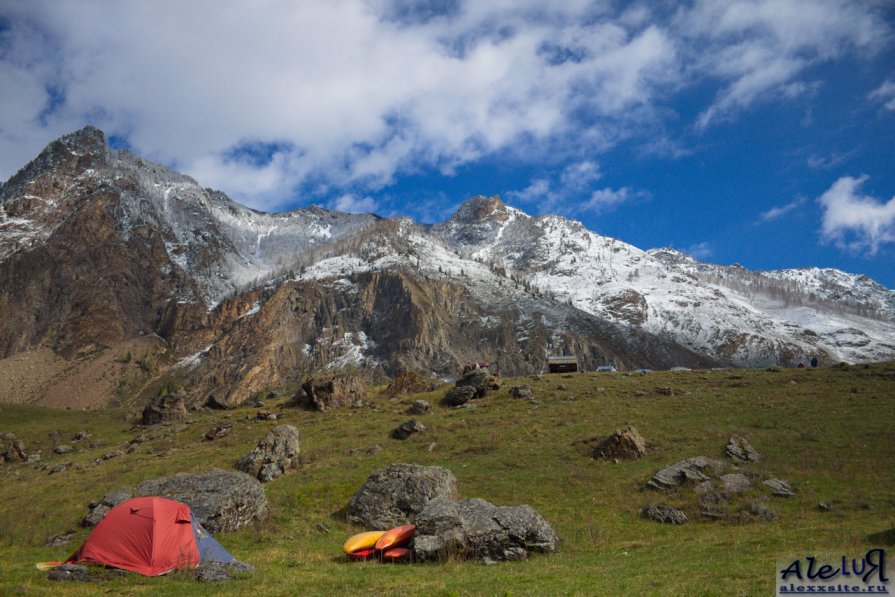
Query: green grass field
{"points": [[830, 432]]}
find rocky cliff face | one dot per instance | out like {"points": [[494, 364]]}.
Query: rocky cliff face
{"points": [[98, 248]]}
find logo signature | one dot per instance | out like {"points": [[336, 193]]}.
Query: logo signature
{"points": [[843, 576]]}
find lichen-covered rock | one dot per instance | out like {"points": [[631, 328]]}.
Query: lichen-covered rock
{"points": [[275, 455], [336, 391], [664, 513], [477, 529], [220, 500], [395, 494], [685, 471], [740, 450], [624, 444], [13, 449]]}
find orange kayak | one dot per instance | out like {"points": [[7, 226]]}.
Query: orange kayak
{"points": [[362, 541], [396, 537]]}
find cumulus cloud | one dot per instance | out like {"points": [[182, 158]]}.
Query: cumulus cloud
{"points": [[757, 49], [854, 221], [353, 93], [781, 210]]}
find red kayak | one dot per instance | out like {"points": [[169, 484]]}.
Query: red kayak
{"points": [[396, 554], [396, 537], [362, 554]]}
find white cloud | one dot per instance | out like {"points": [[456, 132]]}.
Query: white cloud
{"points": [[853, 221], [361, 91], [607, 199], [700, 251], [758, 48], [781, 210], [885, 93], [354, 204]]}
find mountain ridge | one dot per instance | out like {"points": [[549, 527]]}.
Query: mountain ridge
{"points": [[99, 246]]}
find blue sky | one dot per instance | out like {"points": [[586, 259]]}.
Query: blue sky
{"points": [[759, 132]]}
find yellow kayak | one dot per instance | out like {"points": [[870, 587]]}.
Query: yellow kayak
{"points": [[362, 541]]}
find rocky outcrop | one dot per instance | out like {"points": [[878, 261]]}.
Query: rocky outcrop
{"points": [[165, 409], [664, 513], [458, 396], [275, 455], [395, 494], [475, 529], [481, 380], [12, 449], [690, 470], [410, 382], [326, 393], [98, 509], [220, 500], [624, 444], [740, 450], [408, 428]]}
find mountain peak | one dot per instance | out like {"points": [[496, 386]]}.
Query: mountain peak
{"points": [[480, 208], [68, 155]]}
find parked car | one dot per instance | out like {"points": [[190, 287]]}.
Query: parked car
{"points": [[606, 368]]}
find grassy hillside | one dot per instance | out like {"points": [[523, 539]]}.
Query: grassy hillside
{"points": [[830, 432]]}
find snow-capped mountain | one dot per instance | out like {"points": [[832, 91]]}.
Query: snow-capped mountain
{"points": [[98, 247]]}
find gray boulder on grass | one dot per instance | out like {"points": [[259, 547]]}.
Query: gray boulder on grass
{"points": [[780, 488], [482, 380], [458, 396], [275, 455], [664, 513], [220, 500], [395, 494], [624, 444], [408, 428], [476, 529], [739, 449], [164, 409], [685, 471], [97, 510]]}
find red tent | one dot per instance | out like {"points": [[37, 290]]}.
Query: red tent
{"points": [[148, 535]]}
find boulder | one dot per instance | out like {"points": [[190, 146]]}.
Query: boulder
{"points": [[780, 488], [217, 572], [165, 409], [218, 431], [395, 494], [62, 449], [685, 471], [740, 450], [418, 407], [735, 483], [13, 449], [458, 396], [274, 456], [408, 428], [476, 529], [96, 510], [482, 380], [664, 514], [624, 444], [410, 382], [220, 500], [337, 391], [521, 392]]}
